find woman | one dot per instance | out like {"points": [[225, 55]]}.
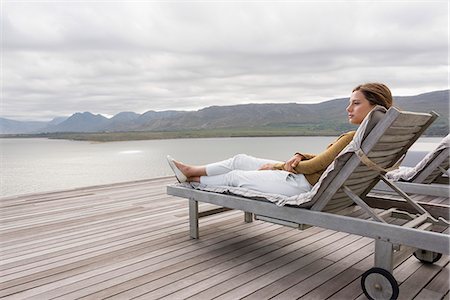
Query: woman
{"points": [[296, 175]]}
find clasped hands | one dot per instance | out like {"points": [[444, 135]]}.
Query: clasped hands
{"points": [[289, 165]]}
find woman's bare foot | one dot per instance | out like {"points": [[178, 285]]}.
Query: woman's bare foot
{"points": [[191, 171]]}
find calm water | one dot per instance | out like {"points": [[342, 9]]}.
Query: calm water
{"points": [[36, 165]]}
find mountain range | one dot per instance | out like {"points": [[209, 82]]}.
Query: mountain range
{"points": [[326, 117]]}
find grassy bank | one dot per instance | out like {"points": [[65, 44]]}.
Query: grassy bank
{"points": [[329, 129], [204, 133]]}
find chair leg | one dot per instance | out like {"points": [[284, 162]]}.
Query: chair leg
{"points": [[193, 218], [384, 255], [248, 217], [378, 282]]}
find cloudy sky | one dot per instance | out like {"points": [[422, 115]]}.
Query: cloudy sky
{"points": [[62, 57]]}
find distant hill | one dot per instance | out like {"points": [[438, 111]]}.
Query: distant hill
{"points": [[326, 118], [8, 126], [80, 122]]}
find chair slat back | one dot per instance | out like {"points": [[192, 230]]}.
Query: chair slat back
{"points": [[432, 171]]}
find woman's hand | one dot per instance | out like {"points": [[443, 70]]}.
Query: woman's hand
{"points": [[267, 167], [292, 163]]}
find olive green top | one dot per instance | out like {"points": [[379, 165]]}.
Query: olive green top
{"points": [[312, 166]]}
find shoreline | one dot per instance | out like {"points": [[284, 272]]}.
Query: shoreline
{"points": [[140, 136]]}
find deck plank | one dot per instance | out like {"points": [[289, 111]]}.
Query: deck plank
{"points": [[439, 283], [131, 269], [412, 286], [174, 277], [349, 244], [131, 240]]}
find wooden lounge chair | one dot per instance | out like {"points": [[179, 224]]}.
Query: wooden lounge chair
{"points": [[436, 167], [430, 176], [346, 182]]}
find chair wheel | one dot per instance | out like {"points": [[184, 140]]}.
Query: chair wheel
{"points": [[428, 257], [377, 283]]}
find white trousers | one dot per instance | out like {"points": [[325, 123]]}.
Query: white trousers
{"points": [[242, 171]]}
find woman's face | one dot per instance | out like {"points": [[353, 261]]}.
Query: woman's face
{"points": [[358, 108]]}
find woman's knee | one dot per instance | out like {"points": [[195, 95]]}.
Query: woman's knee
{"points": [[241, 156], [240, 160]]}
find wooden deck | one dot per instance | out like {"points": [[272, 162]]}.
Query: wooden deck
{"points": [[131, 240]]}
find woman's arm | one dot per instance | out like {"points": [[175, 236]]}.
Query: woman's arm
{"points": [[324, 159], [292, 162], [311, 163]]}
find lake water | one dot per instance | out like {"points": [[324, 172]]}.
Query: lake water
{"points": [[37, 165]]}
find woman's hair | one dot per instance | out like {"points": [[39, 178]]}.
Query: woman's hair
{"points": [[376, 93]]}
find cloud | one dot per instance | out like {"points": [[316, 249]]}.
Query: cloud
{"points": [[107, 57]]}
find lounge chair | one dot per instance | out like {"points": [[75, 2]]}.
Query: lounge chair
{"points": [[381, 141], [429, 176], [434, 166]]}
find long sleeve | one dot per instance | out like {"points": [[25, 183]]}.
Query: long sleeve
{"points": [[321, 161], [306, 156], [312, 166]]}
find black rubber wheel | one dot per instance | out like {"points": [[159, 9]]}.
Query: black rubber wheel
{"points": [[377, 283], [427, 257]]}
